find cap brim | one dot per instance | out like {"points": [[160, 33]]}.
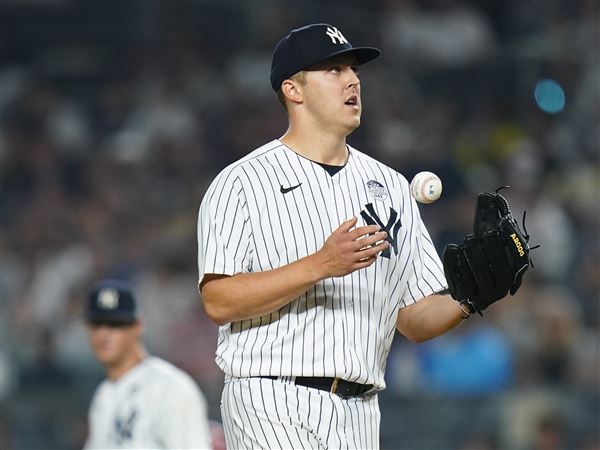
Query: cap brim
{"points": [[363, 55], [111, 317]]}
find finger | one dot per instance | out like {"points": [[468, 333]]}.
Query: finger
{"points": [[368, 241], [345, 226], [362, 231], [364, 263], [372, 251]]}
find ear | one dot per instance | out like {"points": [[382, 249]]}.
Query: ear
{"points": [[139, 328], [292, 91]]}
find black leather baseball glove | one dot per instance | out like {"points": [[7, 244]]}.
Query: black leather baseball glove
{"points": [[491, 262]]}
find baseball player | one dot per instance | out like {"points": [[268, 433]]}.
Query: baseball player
{"points": [[145, 402], [311, 254]]}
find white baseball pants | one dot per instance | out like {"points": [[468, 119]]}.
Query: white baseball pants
{"points": [[260, 413]]}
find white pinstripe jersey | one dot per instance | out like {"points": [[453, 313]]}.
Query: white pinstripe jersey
{"points": [[154, 405], [341, 327]]}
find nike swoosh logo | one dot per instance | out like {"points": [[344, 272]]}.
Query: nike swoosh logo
{"points": [[289, 189]]}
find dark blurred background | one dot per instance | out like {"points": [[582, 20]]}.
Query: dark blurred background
{"points": [[115, 116]]}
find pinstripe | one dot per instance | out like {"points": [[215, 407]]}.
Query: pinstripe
{"points": [[332, 426], [271, 424], [246, 421], [336, 428], [362, 426], [353, 415], [347, 431], [303, 299], [245, 324], [279, 419], [265, 262], [321, 238], [309, 403], [251, 413], [318, 426], [410, 247], [228, 410], [342, 303], [230, 437], [326, 195], [244, 434], [355, 275], [368, 337], [377, 420], [431, 262], [306, 305], [279, 258], [296, 409], [287, 403], [409, 289], [227, 208], [429, 286]]}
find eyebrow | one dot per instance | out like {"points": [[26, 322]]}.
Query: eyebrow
{"points": [[344, 60]]}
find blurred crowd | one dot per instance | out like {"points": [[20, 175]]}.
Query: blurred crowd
{"points": [[114, 120]]}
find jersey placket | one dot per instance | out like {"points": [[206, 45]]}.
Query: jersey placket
{"points": [[337, 214]]}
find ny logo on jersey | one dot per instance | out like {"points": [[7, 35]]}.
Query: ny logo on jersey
{"points": [[391, 228], [334, 34], [124, 427]]}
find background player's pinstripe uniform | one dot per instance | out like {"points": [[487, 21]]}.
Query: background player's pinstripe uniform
{"points": [[341, 327], [154, 405]]}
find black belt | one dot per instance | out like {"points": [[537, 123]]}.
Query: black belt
{"points": [[336, 386]]}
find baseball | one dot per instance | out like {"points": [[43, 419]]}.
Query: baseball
{"points": [[426, 187]]}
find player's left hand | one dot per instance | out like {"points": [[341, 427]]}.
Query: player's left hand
{"points": [[491, 262], [350, 248]]}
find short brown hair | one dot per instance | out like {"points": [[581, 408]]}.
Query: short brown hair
{"points": [[299, 77]]}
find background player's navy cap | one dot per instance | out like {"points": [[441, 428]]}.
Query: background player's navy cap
{"points": [[304, 47], [111, 301]]}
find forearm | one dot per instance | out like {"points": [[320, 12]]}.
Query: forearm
{"points": [[249, 295], [429, 317]]}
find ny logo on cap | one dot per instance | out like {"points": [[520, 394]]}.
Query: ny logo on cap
{"points": [[334, 34], [108, 299]]}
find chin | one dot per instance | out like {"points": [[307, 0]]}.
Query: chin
{"points": [[353, 125], [106, 358]]}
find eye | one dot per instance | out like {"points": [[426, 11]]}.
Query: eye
{"points": [[336, 69], [355, 69]]}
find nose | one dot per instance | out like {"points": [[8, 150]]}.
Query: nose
{"points": [[353, 78]]}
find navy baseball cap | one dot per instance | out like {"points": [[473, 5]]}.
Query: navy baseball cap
{"points": [[111, 301], [304, 47]]}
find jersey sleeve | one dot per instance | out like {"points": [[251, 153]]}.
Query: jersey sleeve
{"points": [[425, 271], [224, 234], [184, 418]]}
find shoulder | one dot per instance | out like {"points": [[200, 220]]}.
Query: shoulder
{"points": [[367, 160], [167, 375], [234, 174], [234, 169], [99, 393]]}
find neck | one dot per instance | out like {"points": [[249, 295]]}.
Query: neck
{"points": [[121, 367], [317, 145]]}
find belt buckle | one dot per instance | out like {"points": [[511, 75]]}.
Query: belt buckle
{"points": [[334, 385]]}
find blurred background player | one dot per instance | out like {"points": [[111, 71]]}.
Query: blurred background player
{"points": [[144, 402]]}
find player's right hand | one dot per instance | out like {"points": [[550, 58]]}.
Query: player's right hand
{"points": [[348, 249]]}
